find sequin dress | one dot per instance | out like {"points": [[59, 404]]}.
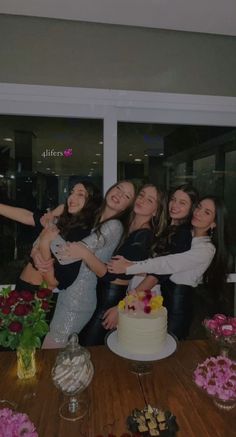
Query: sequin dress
{"points": [[76, 304]]}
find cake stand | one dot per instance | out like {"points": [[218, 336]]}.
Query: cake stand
{"points": [[141, 364]]}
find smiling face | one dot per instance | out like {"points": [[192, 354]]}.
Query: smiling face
{"points": [[77, 199], [204, 216], [179, 206], [146, 203], [120, 196]]}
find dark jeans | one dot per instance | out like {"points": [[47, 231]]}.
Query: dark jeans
{"points": [[178, 300], [108, 295]]}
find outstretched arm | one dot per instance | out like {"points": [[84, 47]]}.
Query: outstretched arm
{"points": [[20, 215], [26, 217]]}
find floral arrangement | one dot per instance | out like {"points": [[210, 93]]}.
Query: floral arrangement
{"points": [[23, 317], [217, 375], [141, 301], [222, 327], [14, 424]]}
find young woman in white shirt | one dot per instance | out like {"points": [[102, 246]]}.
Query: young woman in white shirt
{"points": [[208, 256]]}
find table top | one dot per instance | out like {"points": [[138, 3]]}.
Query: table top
{"points": [[115, 391]]}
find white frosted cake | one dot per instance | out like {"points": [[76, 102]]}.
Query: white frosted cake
{"points": [[142, 323]]}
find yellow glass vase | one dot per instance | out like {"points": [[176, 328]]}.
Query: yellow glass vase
{"points": [[26, 365]]}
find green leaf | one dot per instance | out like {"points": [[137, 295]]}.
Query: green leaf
{"points": [[5, 291]]}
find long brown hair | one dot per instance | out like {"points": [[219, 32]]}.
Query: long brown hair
{"points": [[164, 238], [123, 216], [85, 217]]}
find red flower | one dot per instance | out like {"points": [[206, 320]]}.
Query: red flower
{"points": [[147, 309], [45, 305], [6, 309], [15, 327], [22, 309], [43, 292], [14, 293], [27, 296], [11, 300]]}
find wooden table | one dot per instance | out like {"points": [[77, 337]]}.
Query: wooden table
{"points": [[115, 391]]}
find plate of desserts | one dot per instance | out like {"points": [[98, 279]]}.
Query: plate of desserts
{"points": [[152, 421]]}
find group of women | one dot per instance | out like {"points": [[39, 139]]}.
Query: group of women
{"points": [[95, 248]]}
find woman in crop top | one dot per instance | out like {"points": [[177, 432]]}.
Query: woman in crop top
{"points": [[74, 223]]}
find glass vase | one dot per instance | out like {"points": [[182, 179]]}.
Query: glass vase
{"points": [[26, 365]]}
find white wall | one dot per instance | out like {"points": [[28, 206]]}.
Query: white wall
{"points": [[68, 53]]}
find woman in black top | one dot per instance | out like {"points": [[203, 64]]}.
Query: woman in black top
{"points": [[148, 213], [176, 238], [74, 223]]}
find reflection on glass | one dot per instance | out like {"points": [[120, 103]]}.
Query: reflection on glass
{"points": [[39, 157]]}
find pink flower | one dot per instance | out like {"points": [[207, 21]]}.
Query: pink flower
{"points": [[211, 324], [219, 317], [217, 377], [14, 424], [227, 330]]}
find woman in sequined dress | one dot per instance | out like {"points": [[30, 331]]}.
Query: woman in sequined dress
{"points": [[76, 304]]}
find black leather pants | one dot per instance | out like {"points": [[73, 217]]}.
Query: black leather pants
{"points": [[178, 299], [108, 295]]}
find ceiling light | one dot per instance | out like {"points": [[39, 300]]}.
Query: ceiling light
{"points": [[39, 162], [48, 168], [137, 160], [146, 154], [1, 176], [161, 154], [98, 154], [100, 142], [12, 176], [94, 162], [130, 154], [8, 139]]}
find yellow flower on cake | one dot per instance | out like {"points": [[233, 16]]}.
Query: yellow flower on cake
{"points": [[156, 302], [121, 305]]}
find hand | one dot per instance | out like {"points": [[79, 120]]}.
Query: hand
{"points": [[72, 251], [118, 264], [41, 265], [110, 318], [47, 219], [49, 234]]}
